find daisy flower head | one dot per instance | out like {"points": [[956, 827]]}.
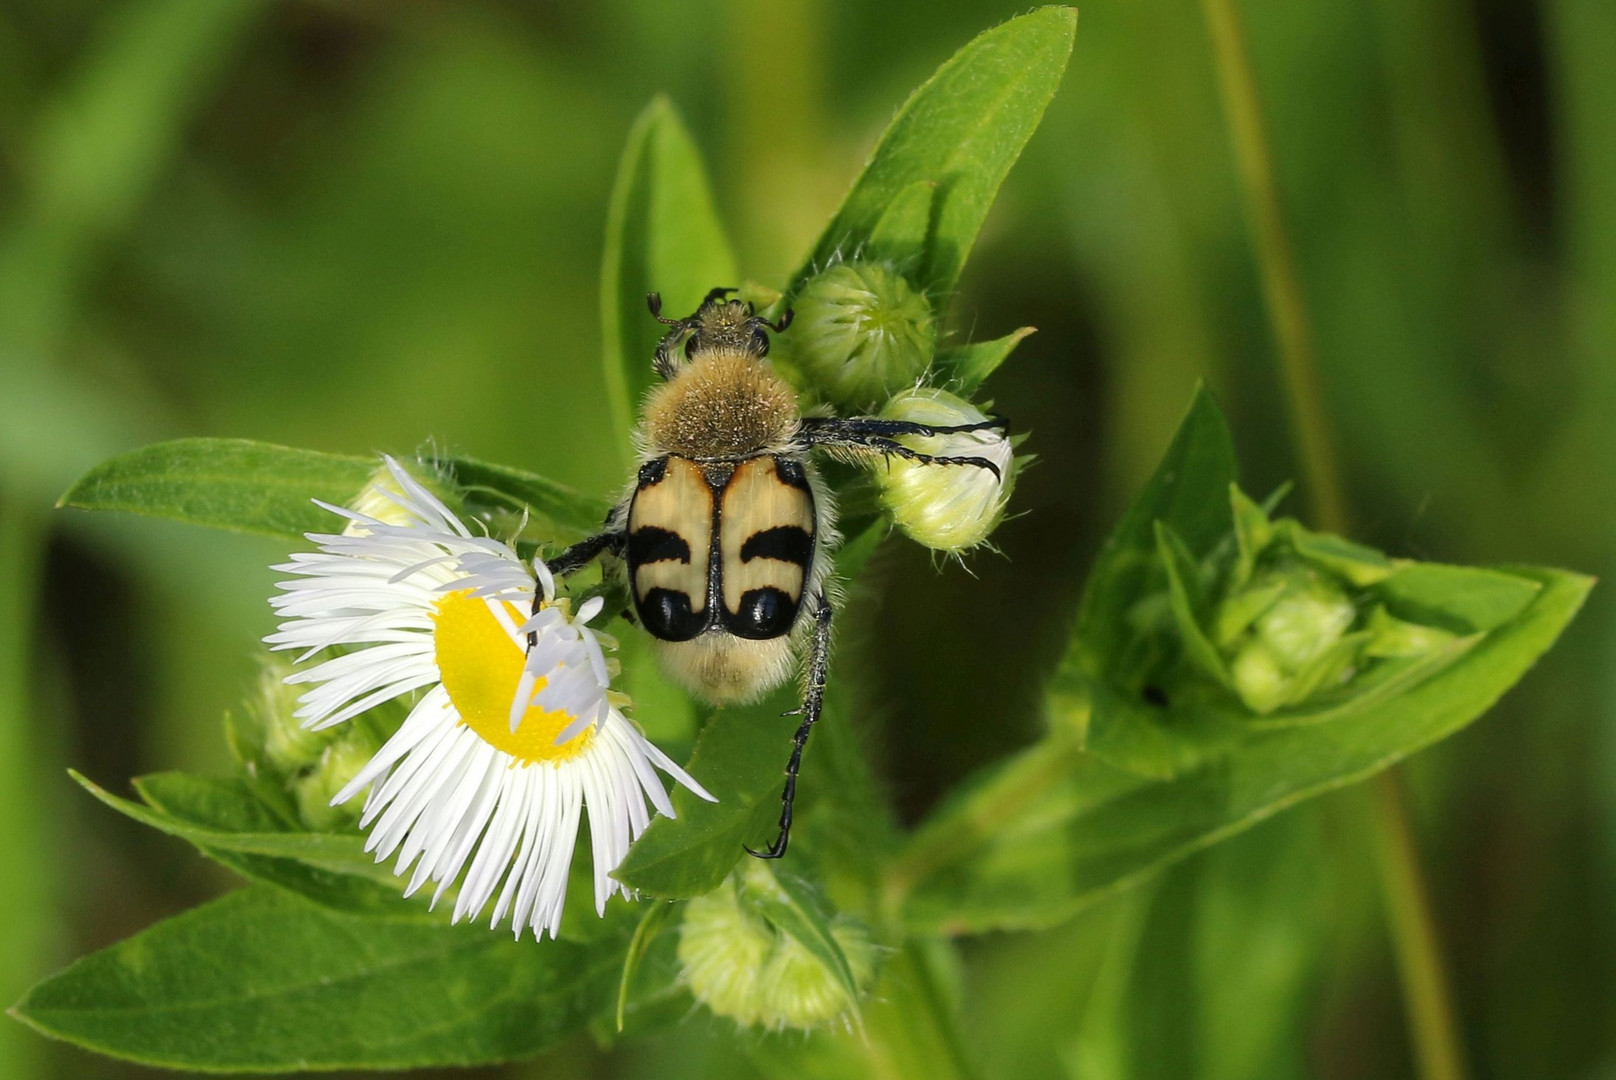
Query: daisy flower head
{"points": [[515, 731]]}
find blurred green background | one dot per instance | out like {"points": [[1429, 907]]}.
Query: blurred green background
{"points": [[361, 225]]}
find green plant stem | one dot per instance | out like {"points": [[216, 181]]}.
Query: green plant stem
{"points": [[1281, 285], [1428, 1000], [1427, 996], [999, 802], [24, 904]]}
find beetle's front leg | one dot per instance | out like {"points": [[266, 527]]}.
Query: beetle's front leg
{"points": [[585, 551]]}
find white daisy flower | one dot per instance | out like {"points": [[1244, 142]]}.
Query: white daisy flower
{"points": [[516, 730]]}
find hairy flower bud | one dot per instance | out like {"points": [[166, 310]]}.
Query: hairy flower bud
{"points": [[287, 746], [738, 964], [861, 332], [380, 497], [339, 762], [946, 507]]}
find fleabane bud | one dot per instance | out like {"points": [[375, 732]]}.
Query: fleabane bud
{"points": [[948, 507], [381, 495], [339, 763], [286, 745], [861, 331], [742, 967]]}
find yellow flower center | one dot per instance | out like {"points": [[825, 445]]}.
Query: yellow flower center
{"points": [[480, 666]]}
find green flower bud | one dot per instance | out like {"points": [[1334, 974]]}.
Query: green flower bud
{"points": [[946, 507], [742, 967], [287, 745], [1309, 617], [1259, 680], [339, 763], [861, 332], [1297, 641]]}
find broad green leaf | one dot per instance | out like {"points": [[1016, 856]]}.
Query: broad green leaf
{"points": [[963, 368], [899, 236], [234, 484], [797, 909], [1188, 493], [265, 981], [961, 130], [1055, 829], [255, 487], [739, 756], [662, 235]]}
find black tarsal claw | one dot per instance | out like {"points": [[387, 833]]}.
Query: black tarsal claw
{"points": [[772, 853]]}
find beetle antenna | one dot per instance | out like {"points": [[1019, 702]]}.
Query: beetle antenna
{"points": [[654, 302]]}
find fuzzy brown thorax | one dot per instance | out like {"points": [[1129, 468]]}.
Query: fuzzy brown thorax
{"points": [[725, 403]]}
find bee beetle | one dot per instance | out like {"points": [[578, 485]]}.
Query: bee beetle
{"points": [[728, 530]]}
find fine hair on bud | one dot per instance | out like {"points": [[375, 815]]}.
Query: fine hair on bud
{"points": [[861, 332], [951, 507], [742, 967]]}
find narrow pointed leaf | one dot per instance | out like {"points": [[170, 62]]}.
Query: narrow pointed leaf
{"points": [[233, 484], [254, 487], [217, 816], [1189, 493], [662, 235], [964, 367], [961, 130]]}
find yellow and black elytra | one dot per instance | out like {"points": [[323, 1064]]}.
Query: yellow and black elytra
{"points": [[728, 530]]}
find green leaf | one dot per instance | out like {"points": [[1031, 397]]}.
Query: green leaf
{"points": [[1184, 596], [1189, 493], [255, 487], [651, 922], [224, 816], [487, 486], [231, 807], [795, 908], [234, 484], [264, 981], [961, 130], [965, 367], [1355, 562], [1053, 830], [738, 757], [899, 236], [1463, 599], [662, 235]]}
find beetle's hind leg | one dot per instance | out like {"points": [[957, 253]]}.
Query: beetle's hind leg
{"points": [[813, 702]]}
